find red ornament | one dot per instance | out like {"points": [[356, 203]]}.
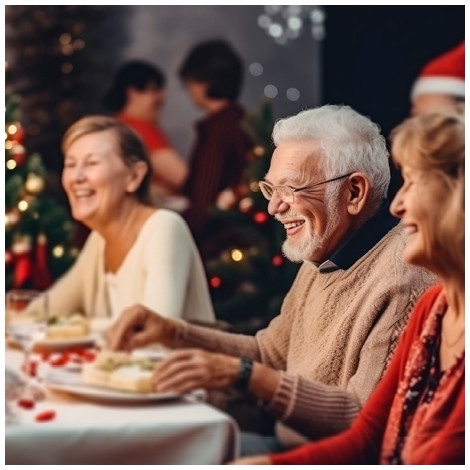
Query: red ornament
{"points": [[41, 275], [215, 282], [260, 217], [18, 154], [19, 135], [277, 260]]}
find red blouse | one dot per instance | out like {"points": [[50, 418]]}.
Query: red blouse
{"points": [[433, 434], [153, 137]]}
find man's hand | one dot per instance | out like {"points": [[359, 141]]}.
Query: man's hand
{"points": [[255, 460], [189, 369], [138, 326]]}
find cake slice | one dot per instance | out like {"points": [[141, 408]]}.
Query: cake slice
{"points": [[68, 327], [120, 371]]}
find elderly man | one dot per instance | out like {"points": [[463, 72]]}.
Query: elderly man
{"points": [[319, 360]]}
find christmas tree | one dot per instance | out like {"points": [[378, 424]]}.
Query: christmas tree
{"points": [[248, 275], [38, 231]]}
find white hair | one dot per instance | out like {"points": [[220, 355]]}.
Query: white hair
{"points": [[350, 142]]}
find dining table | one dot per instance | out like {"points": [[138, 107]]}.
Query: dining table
{"points": [[64, 428]]}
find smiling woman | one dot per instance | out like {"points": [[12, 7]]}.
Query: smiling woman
{"points": [[135, 253]]}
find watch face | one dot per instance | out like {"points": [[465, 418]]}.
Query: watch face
{"points": [[244, 374]]}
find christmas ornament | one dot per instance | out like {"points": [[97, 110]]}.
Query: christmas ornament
{"points": [[34, 183], [11, 218], [41, 275], [18, 154], [23, 263], [215, 282], [260, 217], [246, 204], [226, 199]]}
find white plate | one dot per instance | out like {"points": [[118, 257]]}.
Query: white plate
{"points": [[60, 344], [70, 381]]}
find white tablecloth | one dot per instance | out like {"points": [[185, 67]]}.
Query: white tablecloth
{"points": [[84, 432]]}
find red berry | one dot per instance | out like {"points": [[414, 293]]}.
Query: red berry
{"points": [[47, 415], [26, 403]]}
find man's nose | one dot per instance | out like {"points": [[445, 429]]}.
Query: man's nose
{"points": [[277, 205]]}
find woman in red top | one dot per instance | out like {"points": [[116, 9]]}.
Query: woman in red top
{"points": [[137, 97], [417, 413]]}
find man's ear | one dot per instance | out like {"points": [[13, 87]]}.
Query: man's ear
{"points": [[138, 172], [358, 189]]}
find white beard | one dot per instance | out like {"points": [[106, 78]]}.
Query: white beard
{"points": [[304, 249]]}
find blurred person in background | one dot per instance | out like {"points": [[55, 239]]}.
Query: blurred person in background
{"points": [[416, 415], [137, 96], [136, 253], [212, 74], [441, 82]]}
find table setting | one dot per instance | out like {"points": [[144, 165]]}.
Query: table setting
{"points": [[70, 401]]}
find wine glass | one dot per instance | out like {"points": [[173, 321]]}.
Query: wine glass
{"points": [[27, 314]]}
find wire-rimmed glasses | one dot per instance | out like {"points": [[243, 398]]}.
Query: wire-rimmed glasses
{"points": [[287, 193]]}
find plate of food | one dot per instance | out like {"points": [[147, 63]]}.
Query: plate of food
{"points": [[113, 376], [66, 331]]}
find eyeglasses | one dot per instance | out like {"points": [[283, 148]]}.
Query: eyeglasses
{"points": [[286, 193]]}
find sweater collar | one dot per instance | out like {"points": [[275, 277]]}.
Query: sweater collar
{"points": [[360, 242]]}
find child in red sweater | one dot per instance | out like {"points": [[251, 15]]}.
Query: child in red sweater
{"points": [[417, 413]]}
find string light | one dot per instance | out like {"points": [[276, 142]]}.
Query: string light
{"points": [[58, 251], [259, 151], [277, 260], [254, 186], [285, 23], [65, 38], [22, 206], [12, 129], [8, 144], [237, 255], [11, 164], [215, 282], [6, 135]]}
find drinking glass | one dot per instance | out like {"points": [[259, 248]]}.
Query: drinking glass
{"points": [[27, 313]]}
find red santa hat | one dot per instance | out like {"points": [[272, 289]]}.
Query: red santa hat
{"points": [[443, 75]]}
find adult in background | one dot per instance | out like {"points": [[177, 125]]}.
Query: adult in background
{"points": [[212, 74], [137, 96], [441, 82], [318, 361], [417, 413], [135, 252]]}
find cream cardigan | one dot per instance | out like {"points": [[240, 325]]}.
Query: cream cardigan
{"points": [[162, 270]]}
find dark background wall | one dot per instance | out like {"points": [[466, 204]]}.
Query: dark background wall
{"points": [[372, 55]]}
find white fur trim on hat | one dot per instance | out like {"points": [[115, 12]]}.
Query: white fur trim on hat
{"points": [[439, 85]]}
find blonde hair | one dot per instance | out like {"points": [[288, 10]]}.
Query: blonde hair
{"points": [[129, 145], [436, 142]]}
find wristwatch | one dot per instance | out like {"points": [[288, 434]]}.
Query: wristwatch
{"points": [[244, 374]]}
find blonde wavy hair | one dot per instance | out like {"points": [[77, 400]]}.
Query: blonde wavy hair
{"points": [[128, 144], [435, 142]]}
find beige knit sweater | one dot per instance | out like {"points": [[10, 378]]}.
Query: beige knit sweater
{"points": [[332, 338]]}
